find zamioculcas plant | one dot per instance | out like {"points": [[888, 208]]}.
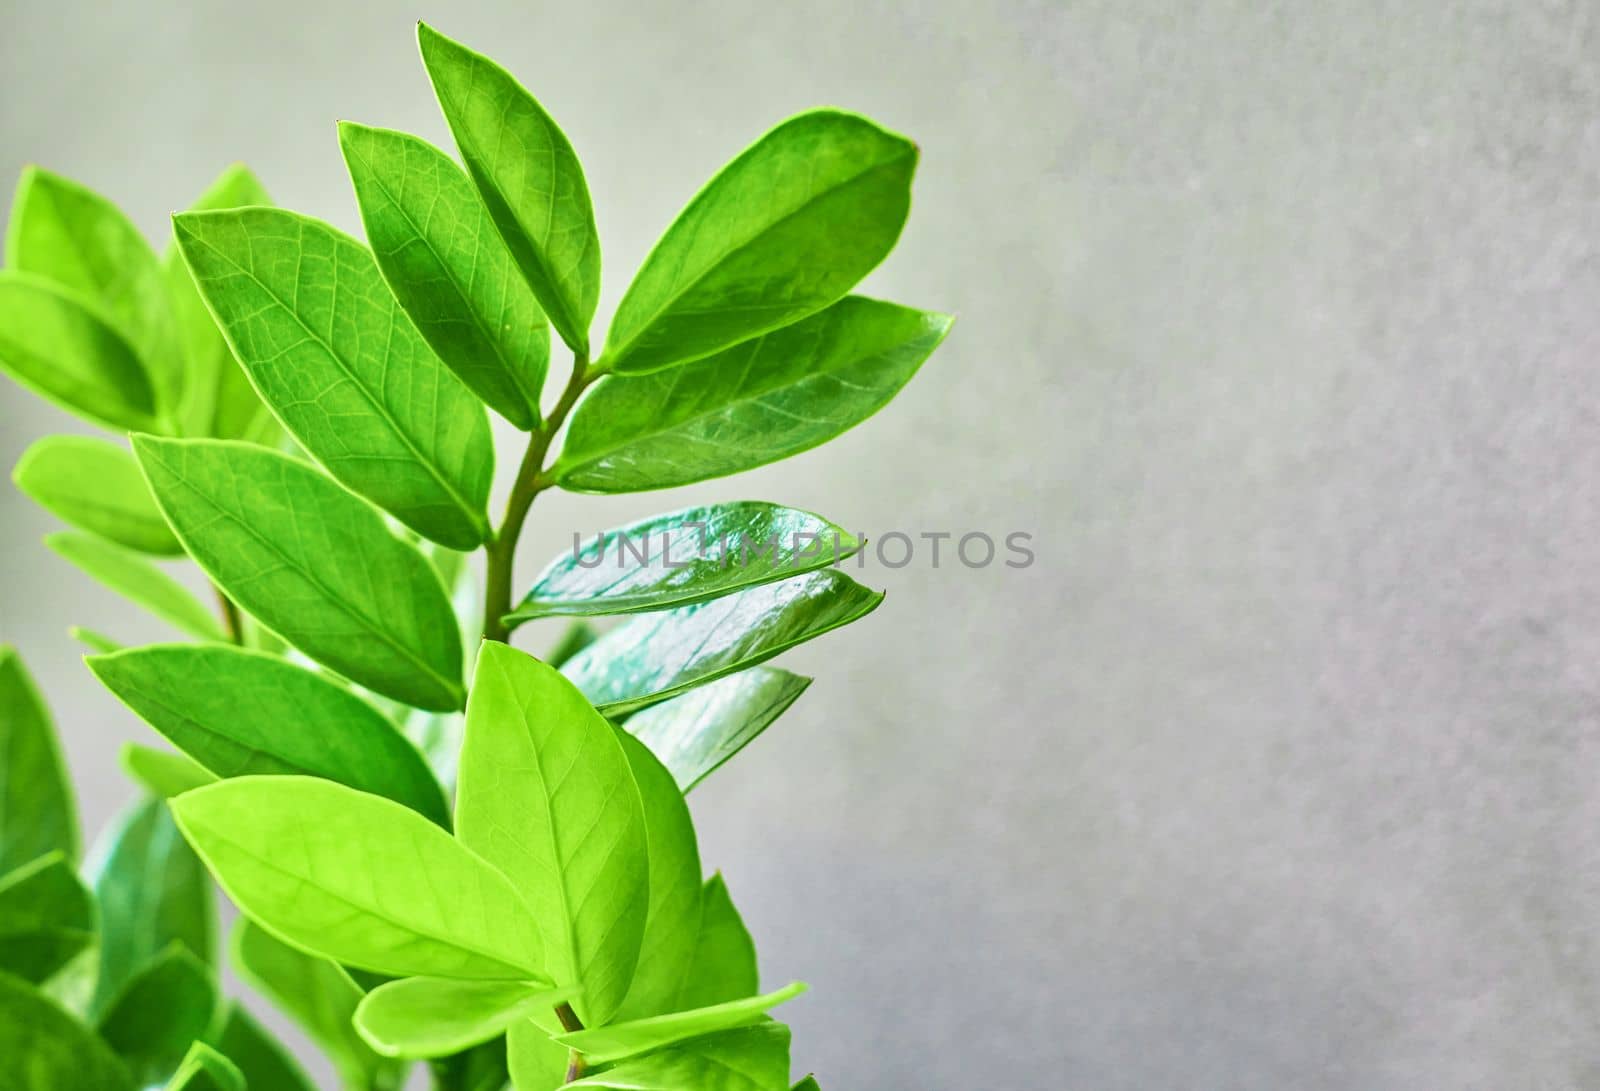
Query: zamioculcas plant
{"points": [[444, 848]]}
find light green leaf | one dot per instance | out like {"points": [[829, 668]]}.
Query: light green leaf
{"points": [[96, 486], [537, 1061], [807, 1084], [546, 795], [661, 655], [240, 712], [164, 1007], [263, 1062], [312, 562], [784, 230], [604, 1045], [46, 918], [318, 995], [684, 557], [673, 922], [37, 814], [754, 1058], [69, 234], [527, 175], [204, 1069], [758, 402], [162, 773], [330, 350], [46, 1049], [696, 733], [724, 964], [444, 259], [152, 892], [432, 1017], [94, 641], [369, 883], [136, 579], [63, 351]]}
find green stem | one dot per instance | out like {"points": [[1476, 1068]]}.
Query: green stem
{"points": [[571, 1023], [231, 621]]}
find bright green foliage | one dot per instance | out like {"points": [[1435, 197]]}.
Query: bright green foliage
{"points": [[96, 486], [262, 1061], [537, 1061], [752, 1058], [94, 641], [137, 580], [432, 1017], [205, 1069], [163, 1008], [46, 918], [807, 1084], [43, 1048], [162, 773], [696, 733], [36, 809], [724, 964], [603, 1045]]}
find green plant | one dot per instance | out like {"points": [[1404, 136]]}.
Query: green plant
{"points": [[514, 893]]}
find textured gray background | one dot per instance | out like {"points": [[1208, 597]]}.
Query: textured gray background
{"points": [[1279, 332]]}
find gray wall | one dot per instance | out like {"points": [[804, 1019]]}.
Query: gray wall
{"points": [[1280, 325]]}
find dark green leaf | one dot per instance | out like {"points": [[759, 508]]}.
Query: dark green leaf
{"points": [[164, 1007], [546, 795], [724, 964], [695, 733], [42, 1048], [136, 579], [204, 1069], [603, 1045], [661, 655], [95, 486], [754, 1058], [445, 261], [263, 1062], [37, 814], [163, 773], [327, 346], [314, 563], [684, 557], [758, 402], [240, 712], [46, 918], [432, 1016], [784, 230], [528, 176]]}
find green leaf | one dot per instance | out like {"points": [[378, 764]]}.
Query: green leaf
{"points": [[263, 1062], [163, 773], [37, 814], [537, 1061], [758, 402], [546, 795], [696, 733], [784, 230], [204, 1069], [527, 175], [94, 641], [445, 261], [724, 964], [67, 233], [136, 579], [807, 1084], [432, 1017], [577, 636], [151, 891], [96, 486], [684, 557], [661, 655], [315, 564], [63, 351], [218, 398], [327, 346], [46, 918], [368, 882], [158, 1013], [754, 1058], [318, 995], [604, 1045], [673, 921], [46, 1049], [240, 712]]}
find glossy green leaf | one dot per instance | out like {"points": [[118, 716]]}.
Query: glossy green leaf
{"points": [[37, 813], [537, 1062], [758, 402], [43, 1048], [164, 1007], [152, 892], [684, 557], [61, 349], [137, 580], [754, 1058], [604, 1045], [46, 918], [432, 1017], [263, 1062], [96, 486], [696, 733], [673, 921], [546, 795], [163, 773], [69, 234], [205, 1069], [370, 883], [784, 230], [318, 995], [308, 314], [314, 563], [444, 259], [527, 175], [240, 712], [661, 655], [724, 963]]}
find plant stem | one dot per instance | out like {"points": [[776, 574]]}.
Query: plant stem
{"points": [[571, 1022], [231, 621]]}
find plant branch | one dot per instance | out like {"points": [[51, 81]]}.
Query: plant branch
{"points": [[571, 1023], [231, 621]]}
